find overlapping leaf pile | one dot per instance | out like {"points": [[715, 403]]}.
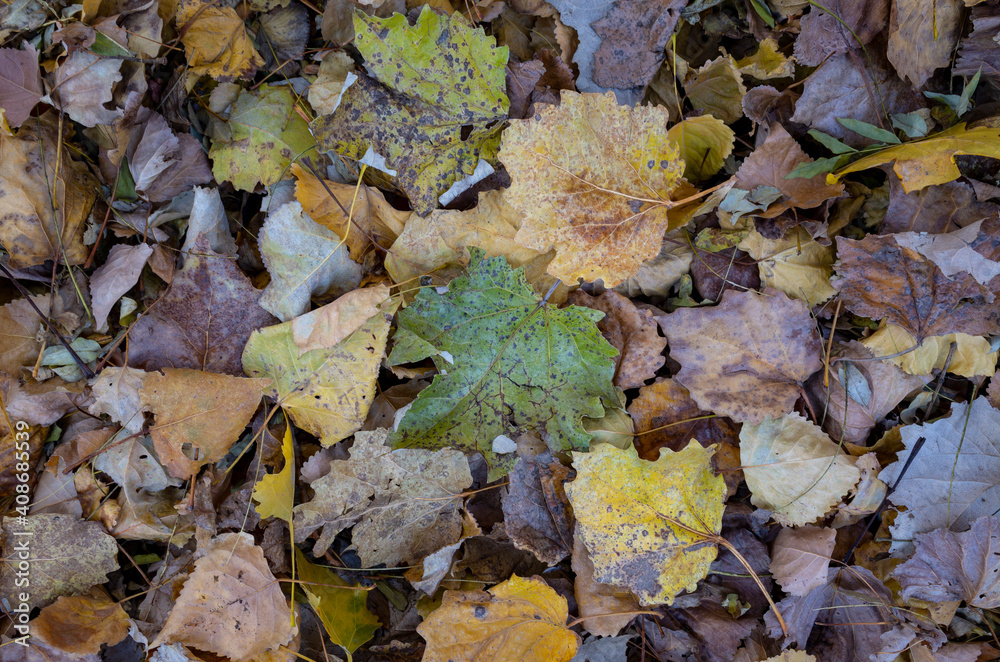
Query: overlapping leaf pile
{"points": [[481, 330]]}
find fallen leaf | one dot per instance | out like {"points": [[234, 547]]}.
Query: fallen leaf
{"points": [[658, 275], [19, 325], [520, 619], [796, 264], [266, 136], [717, 88], [231, 604], [847, 25], [649, 526], [82, 85], [801, 558], [283, 35], [922, 36], [633, 332], [537, 514], [336, 72], [403, 504], [199, 415], [705, 143], [614, 605], [587, 189], [977, 52], [113, 279], [769, 165], [327, 391], [491, 337], [973, 355], [794, 469], [216, 42], [966, 442], [340, 606], [31, 231], [934, 209], [961, 251], [954, 566], [20, 83], [304, 259], [82, 624], [746, 358], [930, 161], [792, 656], [275, 493], [767, 62], [203, 321], [116, 393], [413, 115], [164, 164], [68, 556], [879, 279]]}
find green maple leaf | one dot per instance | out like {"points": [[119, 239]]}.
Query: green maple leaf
{"points": [[435, 106], [508, 362]]}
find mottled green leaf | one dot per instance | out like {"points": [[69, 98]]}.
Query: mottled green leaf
{"points": [[433, 106], [267, 135], [507, 363]]}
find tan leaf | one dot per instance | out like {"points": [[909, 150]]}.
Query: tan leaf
{"points": [[83, 85], [593, 597], [793, 468], [589, 188], [333, 323], [747, 357], [800, 558], [115, 278], [922, 36], [231, 604], [82, 623], [717, 88], [633, 332], [19, 325], [199, 415], [796, 264], [216, 42], [520, 619]]}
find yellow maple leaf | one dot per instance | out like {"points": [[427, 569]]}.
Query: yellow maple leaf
{"points": [[593, 180], [930, 161], [216, 42], [650, 526], [521, 619]]}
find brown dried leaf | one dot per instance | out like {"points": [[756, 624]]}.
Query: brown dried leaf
{"points": [[593, 597], [537, 514], [631, 331], [82, 624], [115, 278], [19, 326], [850, 22], [20, 83], [801, 557], [633, 35], [717, 88], [934, 209], [922, 36], [83, 84], [746, 358], [979, 50]]}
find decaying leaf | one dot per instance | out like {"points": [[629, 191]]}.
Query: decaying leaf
{"points": [[403, 504], [746, 358], [20, 83], [537, 514], [794, 469], [705, 143], [649, 526], [19, 324], [593, 180], [613, 604], [115, 278], [493, 341], [231, 604], [520, 619], [216, 41], [81, 624], [801, 558], [922, 36], [340, 607], [973, 355], [796, 264], [717, 88]]}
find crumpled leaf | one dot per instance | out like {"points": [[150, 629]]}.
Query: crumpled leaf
{"points": [[649, 526], [767, 62], [304, 258], [801, 557], [164, 164], [747, 357], [216, 42], [930, 161], [973, 355], [588, 189], [922, 36], [520, 619], [794, 469], [954, 566], [851, 21], [199, 415], [633, 332], [115, 278], [705, 142], [231, 604], [20, 83], [403, 504], [934, 209], [266, 136], [81, 624], [769, 164], [203, 321], [343, 611], [83, 85], [879, 279], [327, 391], [493, 340], [612, 603], [414, 115], [717, 88], [955, 252], [967, 444], [68, 556], [537, 514], [796, 264], [31, 232]]}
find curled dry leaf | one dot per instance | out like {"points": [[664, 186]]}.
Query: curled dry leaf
{"points": [[801, 557], [746, 358], [520, 619], [537, 514], [588, 189], [705, 143], [796, 264], [717, 88], [231, 604], [973, 355], [649, 526]]}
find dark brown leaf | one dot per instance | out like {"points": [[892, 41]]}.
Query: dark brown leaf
{"points": [[537, 513]]}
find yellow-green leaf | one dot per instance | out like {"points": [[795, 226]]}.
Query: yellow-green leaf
{"points": [[704, 143], [930, 161], [275, 493], [649, 526], [343, 611]]}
